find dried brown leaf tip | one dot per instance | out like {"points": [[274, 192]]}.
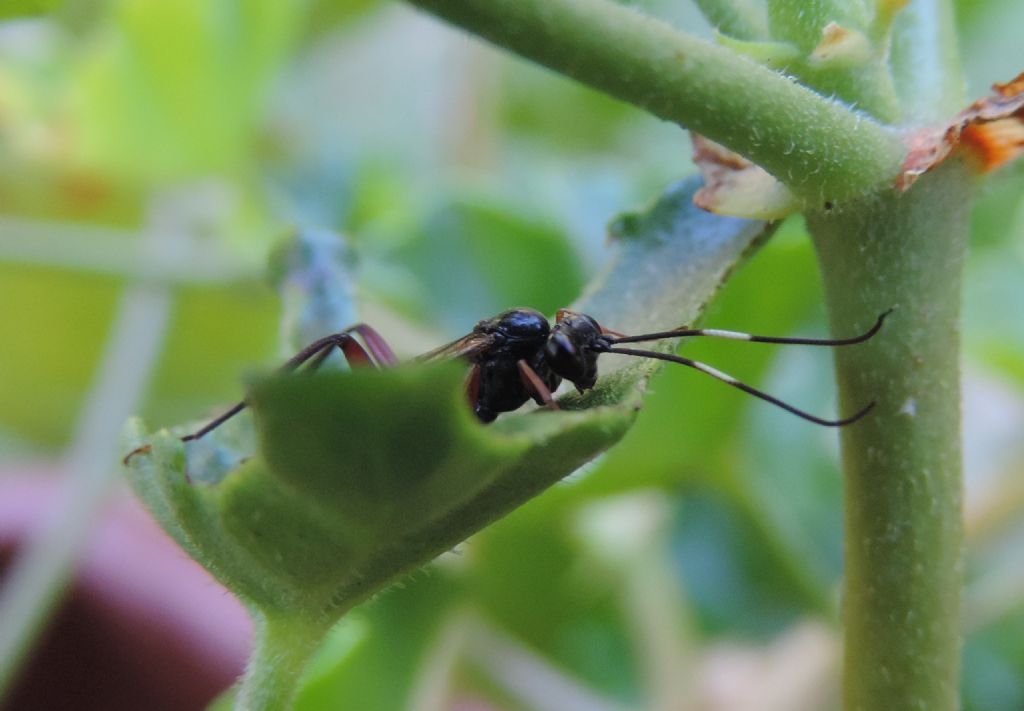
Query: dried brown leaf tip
{"points": [[990, 132], [735, 186], [840, 47]]}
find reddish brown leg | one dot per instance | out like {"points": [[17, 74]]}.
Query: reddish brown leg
{"points": [[473, 385], [375, 343], [377, 352], [355, 355], [534, 384], [315, 353]]}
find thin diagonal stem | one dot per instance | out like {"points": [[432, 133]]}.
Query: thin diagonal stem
{"points": [[36, 579]]}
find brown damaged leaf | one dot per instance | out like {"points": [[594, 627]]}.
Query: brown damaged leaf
{"points": [[840, 47], [736, 187], [990, 132]]}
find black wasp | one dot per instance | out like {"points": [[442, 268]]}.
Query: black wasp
{"points": [[518, 356]]}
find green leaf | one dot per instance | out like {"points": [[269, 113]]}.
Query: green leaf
{"points": [[326, 16], [364, 476], [372, 659], [744, 19], [26, 8], [802, 24], [526, 577], [776, 55], [502, 258], [194, 74]]}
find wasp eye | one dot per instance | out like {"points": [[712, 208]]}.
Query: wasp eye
{"points": [[561, 342], [563, 357]]}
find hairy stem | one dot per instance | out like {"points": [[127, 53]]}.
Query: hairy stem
{"points": [[742, 19], [818, 147], [902, 464], [926, 62], [282, 648]]}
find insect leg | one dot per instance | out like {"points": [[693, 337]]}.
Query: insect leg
{"points": [[375, 343], [534, 384], [355, 355], [473, 385], [726, 378], [473, 395], [315, 353]]}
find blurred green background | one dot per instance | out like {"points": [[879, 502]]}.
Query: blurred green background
{"points": [[175, 144]]}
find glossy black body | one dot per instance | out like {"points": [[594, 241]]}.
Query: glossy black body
{"points": [[496, 346], [518, 356]]}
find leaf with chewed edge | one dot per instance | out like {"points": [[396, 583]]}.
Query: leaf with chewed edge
{"points": [[363, 476]]}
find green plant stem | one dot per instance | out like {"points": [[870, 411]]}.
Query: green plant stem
{"points": [[37, 578], [801, 23], [818, 147], [926, 63], [902, 463], [282, 647], [110, 252], [527, 677], [742, 19]]}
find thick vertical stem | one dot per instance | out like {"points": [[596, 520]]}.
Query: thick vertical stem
{"points": [[282, 648], [902, 464], [926, 63]]}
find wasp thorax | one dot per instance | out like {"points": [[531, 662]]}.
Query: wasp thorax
{"points": [[516, 332], [521, 324]]}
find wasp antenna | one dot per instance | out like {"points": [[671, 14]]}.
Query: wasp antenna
{"points": [[728, 379], [740, 336], [855, 416]]}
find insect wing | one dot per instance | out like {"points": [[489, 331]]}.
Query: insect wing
{"points": [[469, 346]]}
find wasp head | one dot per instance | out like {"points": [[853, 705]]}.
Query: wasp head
{"points": [[572, 349]]}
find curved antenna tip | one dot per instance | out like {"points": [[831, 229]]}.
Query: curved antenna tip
{"points": [[854, 417]]}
